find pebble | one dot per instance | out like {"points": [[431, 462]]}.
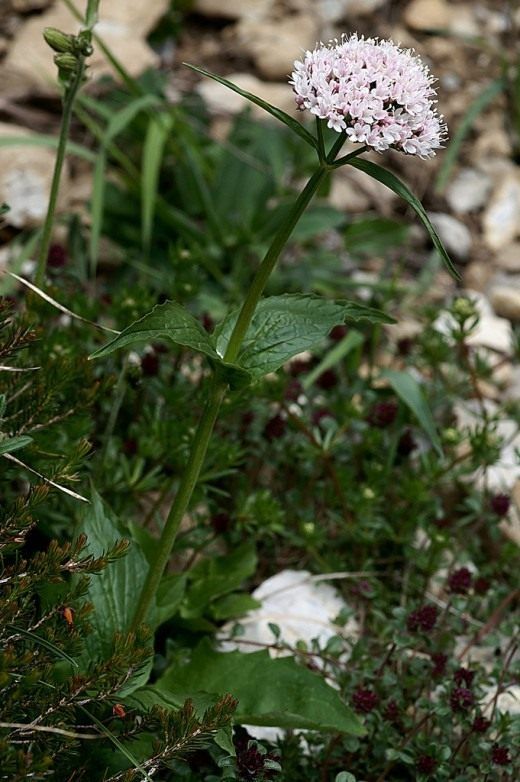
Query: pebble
{"points": [[501, 221], [274, 44], [454, 234], [508, 259], [468, 191], [233, 9], [506, 302], [221, 100], [427, 15]]}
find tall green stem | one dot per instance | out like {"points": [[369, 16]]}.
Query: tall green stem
{"points": [[216, 396], [68, 103]]}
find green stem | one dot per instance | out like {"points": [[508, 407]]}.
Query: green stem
{"points": [[68, 103], [217, 393]]}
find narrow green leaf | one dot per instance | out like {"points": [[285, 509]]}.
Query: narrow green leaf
{"points": [[393, 183], [276, 692], [91, 14], [350, 342], [483, 100], [286, 325], [41, 140], [156, 135], [280, 115], [14, 443], [409, 390]]}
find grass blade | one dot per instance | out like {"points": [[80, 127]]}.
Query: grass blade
{"points": [[408, 389], [153, 150]]}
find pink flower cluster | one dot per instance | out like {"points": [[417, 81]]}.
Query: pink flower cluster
{"points": [[379, 94]]}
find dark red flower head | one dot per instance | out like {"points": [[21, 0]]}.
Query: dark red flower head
{"points": [[130, 446], [480, 724], [293, 390], [426, 764], [150, 364], [463, 677], [364, 700], [275, 428], [481, 585], [439, 661], [460, 580], [338, 332], [392, 712], [327, 380], [57, 256], [382, 414], [220, 522], [406, 443], [500, 755], [319, 414], [500, 504], [461, 699], [422, 619]]}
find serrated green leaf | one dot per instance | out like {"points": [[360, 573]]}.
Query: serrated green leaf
{"points": [[280, 115], [286, 325], [393, 183], [274, 692], [409, 390]]}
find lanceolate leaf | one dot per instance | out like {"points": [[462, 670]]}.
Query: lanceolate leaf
{"points": [[269, 692], [406, 387], [291, 123], [283, 326], [398, 187], [14, 443]]}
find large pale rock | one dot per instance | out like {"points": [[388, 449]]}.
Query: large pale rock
{"points": [[274, 44], [454, 234], [468, 191], [492, 332], [221, 100], [332, 11], [501, 221], [233, 9], [346, 196], [25, 179], [123, 26]]}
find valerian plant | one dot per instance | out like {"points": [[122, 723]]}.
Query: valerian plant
{"points": [[372, 93]]}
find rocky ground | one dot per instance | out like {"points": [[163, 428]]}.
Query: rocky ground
{"points": [[254, 43]]}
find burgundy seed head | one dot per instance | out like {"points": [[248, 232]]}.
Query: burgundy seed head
{"points": [[460, 580], [481, 585], [500, 504], [383, 414], [480, 724], [500, 755], [463, 677], [319, 415], [392, 712], [130, 446], [439, 661], [461, 699], [220, 522], [406, 444], [327, 380], [422, 619], [404, 346], [364, 700], [208, 322], [150, 364], [57, 257], [337, 333], [293, 390], [443, 523], [299, 367], [426, 764], [275, 428]]}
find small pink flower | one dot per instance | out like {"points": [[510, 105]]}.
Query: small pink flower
{"points": [[379, 94]]}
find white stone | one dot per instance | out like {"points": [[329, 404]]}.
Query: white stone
{"points": [[491, 332], [507, 702], [25, 179], [274, 44], [221, 100], [508, 258], [346, 196], [233, 9], [506, 301], [501, 221], [454, 234], [468, 191], [123, 26]]}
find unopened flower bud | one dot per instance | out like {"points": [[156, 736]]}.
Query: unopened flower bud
{"points": [[66, 62], [60, 42]]}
